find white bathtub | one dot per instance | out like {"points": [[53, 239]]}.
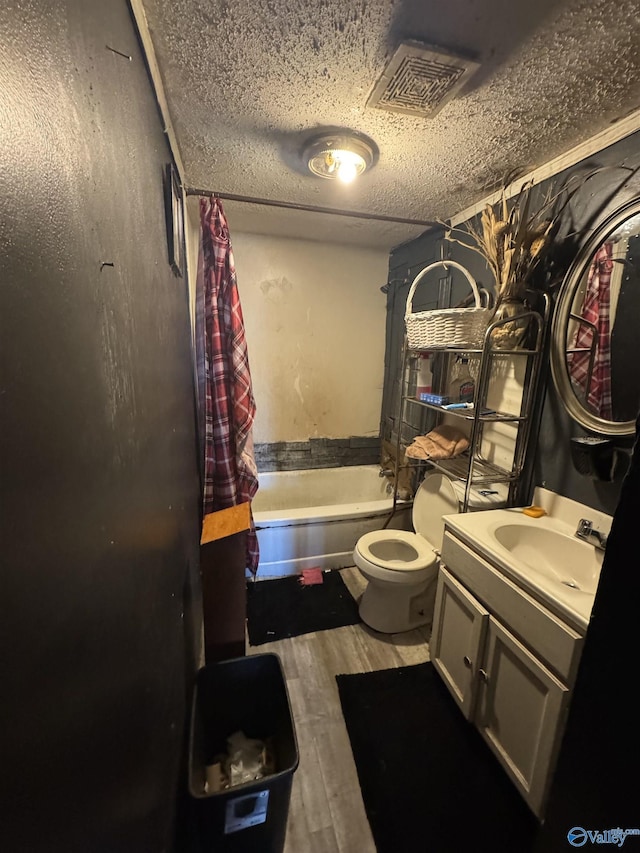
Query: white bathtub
{"points": [[315, 517]]}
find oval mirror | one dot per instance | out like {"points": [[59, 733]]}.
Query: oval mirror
{"points": [[596, 328]]}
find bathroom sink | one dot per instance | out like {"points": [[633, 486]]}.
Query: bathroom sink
{"points": [[541, 555], [552, 554]]}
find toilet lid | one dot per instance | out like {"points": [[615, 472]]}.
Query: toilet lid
{"points": [[434, 498]]}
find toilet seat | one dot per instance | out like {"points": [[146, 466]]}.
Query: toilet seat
{"points": [[403, 552], [424, 552]]}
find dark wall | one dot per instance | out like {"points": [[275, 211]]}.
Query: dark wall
{"points": [[607, 190], [439, 288], [603, 183], [100, 489]]}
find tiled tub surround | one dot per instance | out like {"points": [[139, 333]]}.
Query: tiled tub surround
{"points": [[317, 453], [315, 517]]}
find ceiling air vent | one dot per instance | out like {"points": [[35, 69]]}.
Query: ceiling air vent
{"points": [[420, 79]]}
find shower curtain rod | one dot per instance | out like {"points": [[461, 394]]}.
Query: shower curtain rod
{"points": [[308, 207]]}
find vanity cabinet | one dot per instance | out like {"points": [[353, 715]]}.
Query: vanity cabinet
{"points": [[458, 634], [508, 662]]}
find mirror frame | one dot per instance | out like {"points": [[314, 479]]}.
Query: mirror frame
{"points": [[559, 371]]}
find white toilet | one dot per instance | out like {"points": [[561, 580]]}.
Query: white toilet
{"points": [[402, 566]]}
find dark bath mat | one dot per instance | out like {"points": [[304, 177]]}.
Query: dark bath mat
{"points": [[429, 782], [282, 608]]}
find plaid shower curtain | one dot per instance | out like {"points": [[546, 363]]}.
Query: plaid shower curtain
{"points": [[596, 310], [227, 406]]}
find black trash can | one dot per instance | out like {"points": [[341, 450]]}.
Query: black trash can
{"points": [[247, 694]]}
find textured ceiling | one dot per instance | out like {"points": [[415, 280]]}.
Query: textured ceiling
{"points": [[248, 81]]}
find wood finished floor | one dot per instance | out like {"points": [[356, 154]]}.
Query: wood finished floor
{"points": [[326, 813]]}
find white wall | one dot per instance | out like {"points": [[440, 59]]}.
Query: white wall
{"points": [[315, 325]]}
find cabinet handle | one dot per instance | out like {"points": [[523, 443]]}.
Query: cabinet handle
{"points": [[467, 660], [483, 675]]}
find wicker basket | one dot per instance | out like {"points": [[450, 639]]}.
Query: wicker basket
{"points": [[446, 327]]}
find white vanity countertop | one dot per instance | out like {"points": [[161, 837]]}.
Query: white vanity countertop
{"points": [[559, 570]]}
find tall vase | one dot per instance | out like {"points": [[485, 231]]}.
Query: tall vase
{"points": [[514, 332]]}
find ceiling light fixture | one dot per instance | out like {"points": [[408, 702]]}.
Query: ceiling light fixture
{"points": [[340, 156]]}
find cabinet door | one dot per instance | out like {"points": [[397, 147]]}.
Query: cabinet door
{"points": [[459, 626], [520, 713]]}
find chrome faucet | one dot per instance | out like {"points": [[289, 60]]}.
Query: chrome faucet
{"points": [[587, 532]]}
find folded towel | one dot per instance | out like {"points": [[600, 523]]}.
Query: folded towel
{"points": [[442, 442]]}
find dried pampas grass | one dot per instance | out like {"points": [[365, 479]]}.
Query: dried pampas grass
{"points": [[512, 240]]}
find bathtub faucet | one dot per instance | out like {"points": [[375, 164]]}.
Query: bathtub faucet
{"points": [[386, 472]]}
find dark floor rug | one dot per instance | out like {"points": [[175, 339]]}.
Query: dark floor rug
{"points": [[282, 608], [429, 782]]}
